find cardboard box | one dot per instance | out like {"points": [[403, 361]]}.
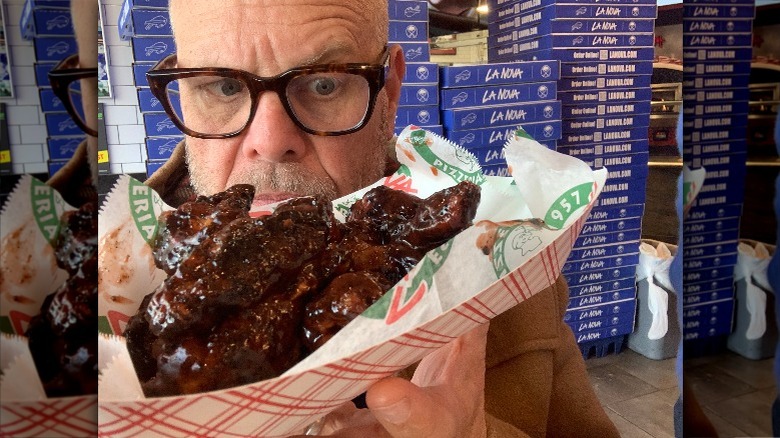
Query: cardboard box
{"points": [[713, 135], [500, 115], [615, 237], [703, 213], [717, 109], [501, 73], [738, 146], [605, 213], [506, 54], [730, 40], [601, 263], [584, 10], [52, 22], [607, 333], [494, 138], [596, 252], [703, 11], [624, 136], [715, 95], [709, 246], [410, 10], [148, 4], [585, 125], [704, 26], [54, 49], [415, 52], [436, 129], [710, 262], [50, 103], [613, 322], [408, 31], [708, 314], [421, 73], [512, 34], [575, 278], [152, 49], [161, 148], [602, 287], [622, 69], [719, 81], [496, 170], [614, 226], [621, 198], [708, 226], [416, 94], [149, 22], [567, 40], [721, 55], [61, 125], [423, 115], [706, 286], [42, 70], [604, 96], [604, 83], [602, 298], [158, 124], [152, 166], [596, 110], [721, 272], [708, 296], [452, 98], [602, 311], [716, 68], [63, 148]]}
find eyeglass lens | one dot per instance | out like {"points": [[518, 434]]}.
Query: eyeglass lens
{"points": [[328, 101]]}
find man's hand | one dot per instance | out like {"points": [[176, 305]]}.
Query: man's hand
{"points": [[446, 398]]}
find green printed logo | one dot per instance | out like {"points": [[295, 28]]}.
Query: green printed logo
{"points": [[566, 204], [45, 210], [469, 172], [142, 209], [688, 192], [398, 302], [517, 240]]}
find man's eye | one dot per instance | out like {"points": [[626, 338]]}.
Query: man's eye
{"points": [[323, 86], [228, 87]]}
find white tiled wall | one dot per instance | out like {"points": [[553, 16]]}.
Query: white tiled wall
{"points": [[124, 122], [26, 123]]}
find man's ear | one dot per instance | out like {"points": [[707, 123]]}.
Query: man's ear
{"points": [[393, 81]]}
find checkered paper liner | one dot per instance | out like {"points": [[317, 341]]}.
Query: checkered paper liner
{"points": [[56, 417], [371, 348]]}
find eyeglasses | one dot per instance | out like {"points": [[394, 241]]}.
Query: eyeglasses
{"points": [[65, 83], [325, 100]]}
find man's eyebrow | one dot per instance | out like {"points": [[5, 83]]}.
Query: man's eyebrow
{"points": [[330, 52]]}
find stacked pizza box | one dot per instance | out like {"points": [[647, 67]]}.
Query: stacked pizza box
{"points": [[48, 24], [605, 52], [147, 24], [717, 40], [483, 104], [419, 104]]}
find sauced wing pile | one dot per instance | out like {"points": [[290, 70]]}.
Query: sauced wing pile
{"points": [[248, 298], [62, 337]]}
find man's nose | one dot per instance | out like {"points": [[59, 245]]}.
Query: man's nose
{"points": [[272, 135]]}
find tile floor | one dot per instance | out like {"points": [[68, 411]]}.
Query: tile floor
{"points": [[639, 393]]}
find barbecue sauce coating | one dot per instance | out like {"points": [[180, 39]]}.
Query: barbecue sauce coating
{"points": [[248, 298]]}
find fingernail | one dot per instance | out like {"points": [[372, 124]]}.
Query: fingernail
{"points": [[395, 413]]}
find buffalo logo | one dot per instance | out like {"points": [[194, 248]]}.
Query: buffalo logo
{"points": [[58, 22], [465, 75], [423, 117], [543, 91], [422, 95], [422, 73], [411, 31]]}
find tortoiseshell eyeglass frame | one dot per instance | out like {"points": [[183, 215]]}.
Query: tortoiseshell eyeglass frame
{"points": [[164, 72], [60, 77]]}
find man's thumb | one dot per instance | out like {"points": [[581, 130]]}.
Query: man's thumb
{"points": [[404, 409]]}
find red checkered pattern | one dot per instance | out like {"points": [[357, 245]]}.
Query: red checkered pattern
{"points": [[63, 417], [286, 405]]}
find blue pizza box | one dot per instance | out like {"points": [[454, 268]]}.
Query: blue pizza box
{"points": [[586, 125], [714, 95], [416, 52], [409, 10], [589, 69], [604, 96], [698, 69], [50, 103], [704, 11], [52, 22], [415, 95], [596, 252], [593, 10], [706, 213], [54, 49], [615, 237], [545, 15], [152, 166], [519, 33], [723, 2], [42, 70], [602, 109], [615, 226], [161, 148], [49, 3], [608, 213], [408, 31], [717, 54], [707, 123], [601, 311], [55, 165], [625, 135], [614, 322], [620, 198], [706, 332], [158, 124], [704, 313], [717, 323], [574, 55], [496, 170], [738, 146], [623, 162], [418, 115], [125, 21], [502, 11], [148, 103], [730, 40], [501, 73], [500, 115], [721, 272], [421, 73], [63, 148], [719, 81], [139, 73], [602, 287], [452, 98], [726, 243], [436, 129], [710, 262], [722, 193], [592, 336], [61, 125], [616, 173], [708, 285], [152, 49], [150, 22], [496, 137], [604, 83], [699, 26], [714, 134], [602, 298], [708, 296], [589, 41], [148, 4], [575, 278], [602, 263], [721, 168], [708, 226], [716, 109]]}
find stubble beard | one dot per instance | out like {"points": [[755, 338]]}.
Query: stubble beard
{"points": [[292, 177]]}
